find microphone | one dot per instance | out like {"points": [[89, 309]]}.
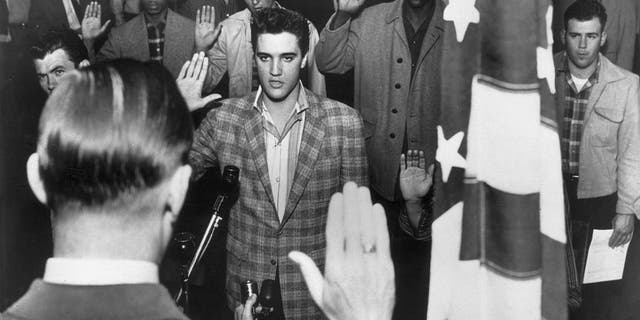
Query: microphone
{"points": [[228, 194]]}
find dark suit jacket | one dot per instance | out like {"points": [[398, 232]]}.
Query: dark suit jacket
{"points": [[332, 152], [127, 301], [130, 40], [48, 15]]}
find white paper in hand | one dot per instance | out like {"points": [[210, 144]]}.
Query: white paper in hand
{"points": [[603, 262]]}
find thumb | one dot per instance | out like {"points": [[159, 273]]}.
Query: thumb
{"points": [[105, 26], [211, 97], [430, 170], [310, 273]]}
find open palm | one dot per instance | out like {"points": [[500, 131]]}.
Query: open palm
{"points": [[415, 181], [91, 27], [206, 32]]}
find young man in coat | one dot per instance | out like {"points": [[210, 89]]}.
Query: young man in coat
{"points": [[599, 117], [156, 34], [294, 150]]}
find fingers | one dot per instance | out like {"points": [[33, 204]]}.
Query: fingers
{"points": [[248, 306], [198, 16], [421, 162], [381, 232], [87, 11], [310, 273], [198, 66], [212, 15], [616, 239], [351, 220], [98, 11], [205, 67], [403, 162], [192, 66], [335, 235], [367, 223], [183, 71]]}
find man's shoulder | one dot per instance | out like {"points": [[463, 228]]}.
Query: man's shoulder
{"points": [[231, 110], [378, 10], [128, 26], [331, 108], [237, 20], [183, 23], [613, 73]]}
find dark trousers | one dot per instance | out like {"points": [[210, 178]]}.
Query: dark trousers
{"points": [[411, 259], [611, 300]]}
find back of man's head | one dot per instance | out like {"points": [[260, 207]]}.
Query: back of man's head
{"points": [[112, 149], [278, 20], [585, 10]]}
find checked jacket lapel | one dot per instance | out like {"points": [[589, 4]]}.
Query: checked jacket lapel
{"points": [[310, 145], [255, 137]]}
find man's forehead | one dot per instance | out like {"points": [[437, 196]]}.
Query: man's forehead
{"points": [[278, 42], [586, 26], [51, 59]]}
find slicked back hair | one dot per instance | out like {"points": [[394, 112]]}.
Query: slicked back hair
{"points": [[585, 10], [67, 40], [279, 20], [111, 131]]}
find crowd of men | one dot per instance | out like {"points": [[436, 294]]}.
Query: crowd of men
{"points": [[119, 144]]}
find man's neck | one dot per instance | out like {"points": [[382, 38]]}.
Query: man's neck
{"points": [[416, 16], [281, 110], [582, 73], [156, 18]]}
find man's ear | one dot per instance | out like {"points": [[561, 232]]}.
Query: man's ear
{"points": [[304, 60], [178, 185], [603, 38], [35, 180], [84, 63], [563, 33]]}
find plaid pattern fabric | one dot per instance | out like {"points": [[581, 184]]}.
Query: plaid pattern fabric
{"points": [[573, 118], [332, 152], [155, 34]]}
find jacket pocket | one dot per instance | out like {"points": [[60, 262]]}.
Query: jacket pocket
{"points": [[238, 251], [604, 126]]}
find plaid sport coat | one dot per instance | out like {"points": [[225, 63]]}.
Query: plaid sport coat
{"points": [[332, 152]]}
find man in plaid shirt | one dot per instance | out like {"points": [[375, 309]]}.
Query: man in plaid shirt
{"points": [[294, 150], [597, 110]]}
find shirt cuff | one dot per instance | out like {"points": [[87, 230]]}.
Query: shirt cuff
{"points": [[423, 231]]}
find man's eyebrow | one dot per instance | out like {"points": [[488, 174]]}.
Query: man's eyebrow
{"points": [[56, 67]]}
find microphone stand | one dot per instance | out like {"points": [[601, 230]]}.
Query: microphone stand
{"points": [[229, 186]]}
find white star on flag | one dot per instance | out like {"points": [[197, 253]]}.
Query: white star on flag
{"points": [[462, 13], [544, 56], [447, 153]]}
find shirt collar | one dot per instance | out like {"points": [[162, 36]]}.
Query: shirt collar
{"points": [[301, 103], [76, 271], [162, 22], [564, 68]]}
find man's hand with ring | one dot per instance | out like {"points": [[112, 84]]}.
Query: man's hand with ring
{"points": [[359, 279]]}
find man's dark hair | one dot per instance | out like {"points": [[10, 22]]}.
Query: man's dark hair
{"points": [[65, 40], [278, 20], [585, 10], [109, 132]]}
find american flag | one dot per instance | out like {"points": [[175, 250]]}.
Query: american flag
{"points": [[498, 232]]}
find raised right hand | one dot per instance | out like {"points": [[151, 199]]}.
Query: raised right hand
{"points": [[206, 33]]}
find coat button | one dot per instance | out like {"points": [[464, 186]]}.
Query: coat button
{"points": [[399, 60], [398, 86], [273, 262], [392, 135], [394, 110]]}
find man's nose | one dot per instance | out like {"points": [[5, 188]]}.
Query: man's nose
{"points": [[52, 83], [276, 68], [583, 42]]}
